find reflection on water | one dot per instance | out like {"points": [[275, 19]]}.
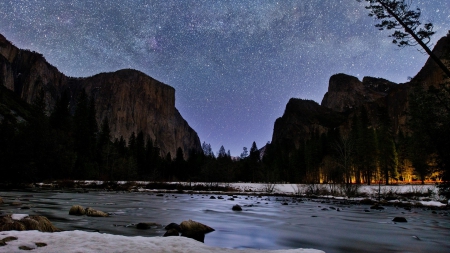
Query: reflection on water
{"points": [[264, 223]]}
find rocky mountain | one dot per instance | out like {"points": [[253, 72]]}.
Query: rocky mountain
{"points": [[301, 119], [347, 95], [346, 92], [128, 99]]}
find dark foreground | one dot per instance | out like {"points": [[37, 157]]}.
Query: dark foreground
{"points": [[264, 222]]}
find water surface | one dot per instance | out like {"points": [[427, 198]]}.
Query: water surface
{"points": [[264, 223]]}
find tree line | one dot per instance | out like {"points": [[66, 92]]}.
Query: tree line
{"points": [[67, 145]]}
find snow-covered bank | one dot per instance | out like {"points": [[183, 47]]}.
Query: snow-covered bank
{"points": [[86, 242]]}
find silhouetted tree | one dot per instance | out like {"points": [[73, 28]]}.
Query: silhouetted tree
{"points": [[398, 15]]}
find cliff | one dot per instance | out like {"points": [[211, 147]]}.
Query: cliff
{"points": [[347, 95], [301, 119], [130, 100], [346, 92]]}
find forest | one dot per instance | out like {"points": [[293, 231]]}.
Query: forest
{"points": [[61, 145]]}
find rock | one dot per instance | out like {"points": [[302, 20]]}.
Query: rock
{"points": [[171, 232], [129, 100], [77, 210], [25, 248], [173, 226], [95, 213], [195, 230], [212, 197], [33, 222], [146, 225], [399, 219], [9, 238], [40, 244], [236, 208], [4, 241], [346, 92], [285, 204]]}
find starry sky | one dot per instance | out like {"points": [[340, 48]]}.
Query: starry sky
{"points": [[234, 63]]}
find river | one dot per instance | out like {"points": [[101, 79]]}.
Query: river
{"points": [[266, 222]]}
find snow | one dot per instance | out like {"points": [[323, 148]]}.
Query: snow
{"points": [[432, 203], [87, 242], [18, 216]]}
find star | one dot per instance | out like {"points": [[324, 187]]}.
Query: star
{"points": [[234, 64]]}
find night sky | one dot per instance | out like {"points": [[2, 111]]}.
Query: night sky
{"points": [[234, 63]]}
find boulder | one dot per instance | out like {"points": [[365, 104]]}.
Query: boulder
{"points": [[399, 219], [77, 210], [33, 222], [173, 226], [171, 232], [195, 230], [146, 225], [236, 208], [95, 213]]}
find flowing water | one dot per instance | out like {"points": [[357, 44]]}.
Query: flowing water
{"points": [[264, 223]]}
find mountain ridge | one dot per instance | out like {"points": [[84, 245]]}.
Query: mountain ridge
{"points": [[128, 99]]}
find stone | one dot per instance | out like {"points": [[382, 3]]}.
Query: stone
{"points": [[212, 197], [147, 225], [40, 244], [236, 208], [23, 247], [33, 222], [399, 219], [77, 210], [95, 213], [171, 232], [195, 230], [173, 226]]}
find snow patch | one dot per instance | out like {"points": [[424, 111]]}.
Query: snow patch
{"points": [[17, 216], [432, 203], [89, 242]]}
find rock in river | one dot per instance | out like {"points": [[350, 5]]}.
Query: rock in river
{"points": [[147, 225], [95, 213], [399, 219], [77, 210], [236, 208], [25, 222], [195, 230]]}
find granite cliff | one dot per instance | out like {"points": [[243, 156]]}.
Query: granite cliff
{"points": [[347, 95], [130, 100]]}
